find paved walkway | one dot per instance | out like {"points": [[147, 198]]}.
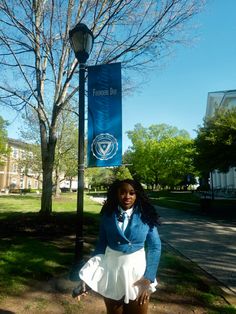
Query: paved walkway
{"points": [[211, 243]]}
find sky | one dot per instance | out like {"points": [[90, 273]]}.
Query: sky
{"points": [[176, 94]]}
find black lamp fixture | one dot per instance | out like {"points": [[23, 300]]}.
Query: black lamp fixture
{"points": [[81, 39]]}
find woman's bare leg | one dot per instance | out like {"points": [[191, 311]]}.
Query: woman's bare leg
{"points": [[113, 306], [133, 307]]}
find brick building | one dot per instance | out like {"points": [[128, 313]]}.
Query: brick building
{"points": [[15, 170]]}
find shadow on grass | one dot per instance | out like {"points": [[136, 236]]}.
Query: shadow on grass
{"points": [[58, 224], [35, 249], [25, 259]]}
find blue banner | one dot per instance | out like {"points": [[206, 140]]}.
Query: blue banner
{"points": [[104, 116]]}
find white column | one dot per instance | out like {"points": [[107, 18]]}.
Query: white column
{"points": [[223, 180], [230, 178], [234, 177], [214, 177], [219, 186]]}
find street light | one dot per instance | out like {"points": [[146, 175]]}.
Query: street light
{"points": [[81, 39]]}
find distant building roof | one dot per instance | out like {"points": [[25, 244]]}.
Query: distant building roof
{"points": [[217, 99], [17, 143]]}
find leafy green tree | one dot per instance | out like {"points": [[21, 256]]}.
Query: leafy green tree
{"points": [[177, 159], [4, 150], [121, 173], [161, 155], [69, 164], [66, 156], [216, 141], [98, 178]]}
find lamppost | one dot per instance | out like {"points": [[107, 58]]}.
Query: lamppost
{"points": [[81, 39]]}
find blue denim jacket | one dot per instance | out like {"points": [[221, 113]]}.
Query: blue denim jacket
{"points": [[137, 235]]}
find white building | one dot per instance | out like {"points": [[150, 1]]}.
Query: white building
{"points": [[66, 184], [222, 181]]}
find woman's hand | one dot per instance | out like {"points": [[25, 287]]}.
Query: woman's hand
{"points": [[83, 294], [144, 290], [80, 291]]}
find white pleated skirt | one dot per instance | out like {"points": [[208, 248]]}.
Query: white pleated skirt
{"points": [[113, 274]]}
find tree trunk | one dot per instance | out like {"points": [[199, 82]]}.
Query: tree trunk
{"points": [[71, 184], [57, 190], [57, 187], [46, 199], [48, 155]]}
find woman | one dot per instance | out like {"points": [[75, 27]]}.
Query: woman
{"points": [[121, 269]]}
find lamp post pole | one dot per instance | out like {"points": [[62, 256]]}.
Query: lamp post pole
{"points": [[80, 187], [81, 39]]}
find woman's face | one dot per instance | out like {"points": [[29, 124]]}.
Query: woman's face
{"points": [[126, 196]]}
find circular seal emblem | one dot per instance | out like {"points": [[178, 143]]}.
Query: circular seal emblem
{"points": [[104, 146]]}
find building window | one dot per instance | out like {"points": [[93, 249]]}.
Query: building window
{"points": [[14, 168], [23, 154], [15, 152], [13, 184]]}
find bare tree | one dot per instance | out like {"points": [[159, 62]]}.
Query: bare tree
{"points": [[38, 67], [66, 147]]}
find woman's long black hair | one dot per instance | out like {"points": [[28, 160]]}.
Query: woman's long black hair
{"points": [[149, 214]]}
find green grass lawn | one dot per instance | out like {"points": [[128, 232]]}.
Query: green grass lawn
{"points": [[31, 203], [23, 259], [185, 196], [187, 201], [32, 250], [19, 203]]}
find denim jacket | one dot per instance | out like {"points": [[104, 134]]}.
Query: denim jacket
{"points": [[136, 236]]}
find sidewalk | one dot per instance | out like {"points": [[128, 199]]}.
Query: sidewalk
{"points": [[208, 242]]}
